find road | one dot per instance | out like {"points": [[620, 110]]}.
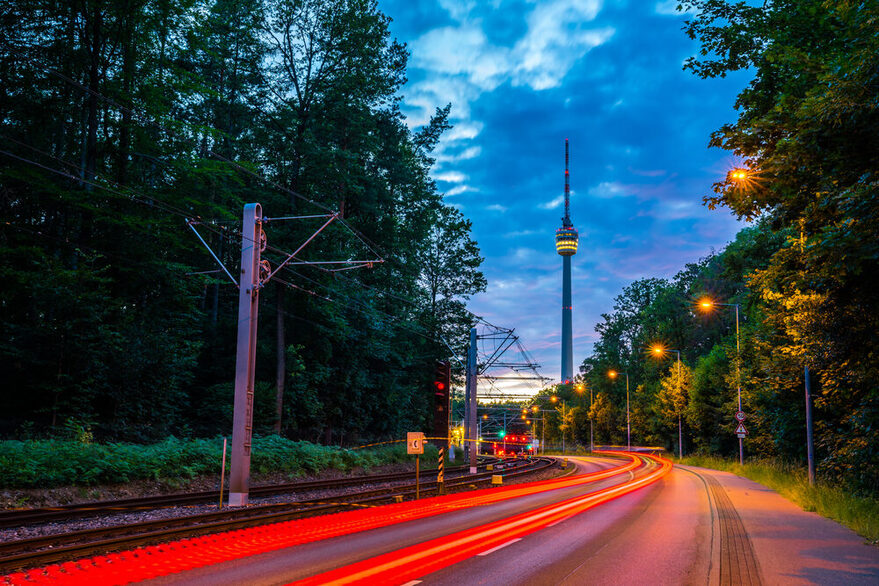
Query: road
{"points": [[689, 526]]}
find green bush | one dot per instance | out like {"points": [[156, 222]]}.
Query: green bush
{"points": [[54, 462]]}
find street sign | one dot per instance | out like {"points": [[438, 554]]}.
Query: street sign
{"points": [[741, 431], [740, 415], [414, 442]]}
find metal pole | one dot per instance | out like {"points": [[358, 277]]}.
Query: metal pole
{"points": [[471, 399], [810, 444], [248, 306], [222, 472], [628, 421], [739, 383], [680, 393], [417, 485], [505, 433], [440, 472], [466, 423], [542, 434], [564, 409], [591, 435]]}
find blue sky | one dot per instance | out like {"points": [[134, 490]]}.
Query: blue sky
{"points": [[522, 76]]}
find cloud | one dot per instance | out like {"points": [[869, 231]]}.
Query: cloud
{"points": [[556, 39], [521, 233], [496, 208], [443, 154], [648, 172], [451, 177], [459, 189], [553, 203], [461, 62], [608, 189]]}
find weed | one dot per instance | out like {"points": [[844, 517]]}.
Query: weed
{"points": [[858, 513]]}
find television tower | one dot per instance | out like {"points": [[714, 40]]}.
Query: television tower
{"points": [[566, 239]]}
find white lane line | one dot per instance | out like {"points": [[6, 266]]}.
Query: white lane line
{"points": [[501, 546], [412, 583]]}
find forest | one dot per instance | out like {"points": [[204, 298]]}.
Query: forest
{"points": [[801, 276], [130, 131]]}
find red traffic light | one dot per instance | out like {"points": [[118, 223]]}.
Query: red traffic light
{"points": [[440, 386]]}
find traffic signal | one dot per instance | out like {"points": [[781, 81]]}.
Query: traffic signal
{"points": [[501, 433], [442, 384]]}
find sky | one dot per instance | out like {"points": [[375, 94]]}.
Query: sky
{"points": [[524, 75]]}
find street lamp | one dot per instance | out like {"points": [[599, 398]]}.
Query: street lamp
{"points": [[580, 387], [536, 409], [564, 423], [659, 351], [708, 304], [613, 374]]}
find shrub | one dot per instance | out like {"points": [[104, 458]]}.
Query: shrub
{"points": [[55, 462]]}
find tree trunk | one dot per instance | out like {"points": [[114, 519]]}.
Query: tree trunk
{"points": [[281, 367]]}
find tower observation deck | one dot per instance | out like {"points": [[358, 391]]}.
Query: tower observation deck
{"points": [[566, 240]]}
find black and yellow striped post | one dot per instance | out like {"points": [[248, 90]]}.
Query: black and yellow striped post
{"points": [[440, 473]]}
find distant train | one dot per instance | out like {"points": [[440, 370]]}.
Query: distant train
{"points": [[513, 445]]}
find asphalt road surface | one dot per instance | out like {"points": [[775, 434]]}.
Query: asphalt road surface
{"points": [[693, 526]]}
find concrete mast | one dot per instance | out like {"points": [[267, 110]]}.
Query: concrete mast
{"points": [[566, 239]]}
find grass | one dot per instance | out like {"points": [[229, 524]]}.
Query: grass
{"points": [[858, 513], [54, 463]]}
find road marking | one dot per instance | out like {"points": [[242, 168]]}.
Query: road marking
{"points": [[412, 583], [501, 546]]}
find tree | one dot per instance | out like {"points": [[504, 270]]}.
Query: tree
{"points": [[673, 394], [604, 417], [807, 132]]}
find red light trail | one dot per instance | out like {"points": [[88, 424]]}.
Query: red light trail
{"points": [[423, 558], [159, 560]]}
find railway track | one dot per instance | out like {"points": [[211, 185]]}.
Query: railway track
{"points": [[17, 518], [38, 551]]}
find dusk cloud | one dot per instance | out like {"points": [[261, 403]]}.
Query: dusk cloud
{"points": [[523, 75]]}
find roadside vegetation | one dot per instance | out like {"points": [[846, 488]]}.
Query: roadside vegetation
{"points": [[858, 513], [54, 462], [787, 303]]}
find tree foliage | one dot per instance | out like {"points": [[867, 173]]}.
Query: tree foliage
{"points": [[807, 135], [127, 125]]}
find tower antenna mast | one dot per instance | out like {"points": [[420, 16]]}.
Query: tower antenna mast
{"points": [[566, 221]]}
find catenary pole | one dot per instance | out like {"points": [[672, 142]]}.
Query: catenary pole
{"points": [[248, 306], [471, 399]]}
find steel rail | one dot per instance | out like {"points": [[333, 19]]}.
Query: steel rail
{"points": [[26, 553], [19, 517]]}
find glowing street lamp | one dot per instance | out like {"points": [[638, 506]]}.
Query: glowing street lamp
{"points": [[613, 374], [659, 351], [707, 304]]}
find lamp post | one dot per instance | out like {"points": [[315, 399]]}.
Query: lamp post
{"points": [[659, 351], [708, 304], [536, 409], [613, 374], [555, 399]]}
